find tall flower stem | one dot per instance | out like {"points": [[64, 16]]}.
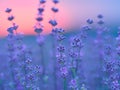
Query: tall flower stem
{"points": [[53, 23], [65, 84], [54, 63], [40, 39], [11, 45]]}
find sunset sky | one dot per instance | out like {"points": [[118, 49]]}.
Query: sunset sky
{"points": [[72, 13]]}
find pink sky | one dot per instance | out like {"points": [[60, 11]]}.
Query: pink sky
{"points": [[25, 12], [72, 13]]}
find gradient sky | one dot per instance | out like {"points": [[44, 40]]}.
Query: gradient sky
{"points": [[72, 13]]}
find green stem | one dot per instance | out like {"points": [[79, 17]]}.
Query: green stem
{"points": [[65, 84], [73, 72], [43, 64], [54, 63]]}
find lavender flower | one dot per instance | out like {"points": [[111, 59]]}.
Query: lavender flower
{"points": [[38, 69], [56, 1], [73, 84], [13, 53], [61, 58], [41, 10], [64, 72], [10, 18], [61, 48], [100, 16], [8, 10], [90, 21], [42, 1], [38, 30], [10, 29], [100, 22], [54, 9], [39, 19], [53, 22]]}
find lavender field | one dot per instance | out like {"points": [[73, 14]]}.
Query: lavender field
{"points": [[83, 58]]}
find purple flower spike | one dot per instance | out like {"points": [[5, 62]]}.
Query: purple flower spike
{"points": [[54, 30], [16, 27], [61, 48], [38, 30], [41, 10], [100, 16], [42, 1], [64, 71], [56, 1], [53, 22], [86, 28], [90, 21], [8, 10], [61, 30], [30, 77], [54, 9], [38, 69], [28, 61], [60, 37], [39, 19], [73, 54], [73, 84], [101, 22], [10, 29], [10, 18]]}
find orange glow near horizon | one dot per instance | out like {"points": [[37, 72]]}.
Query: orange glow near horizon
{"points": [[25, 13]]}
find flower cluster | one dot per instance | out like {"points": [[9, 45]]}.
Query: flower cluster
{"points": [[38, 28]]}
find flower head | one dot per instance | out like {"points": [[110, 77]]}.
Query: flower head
{"points": [[38, 69], [42, 1], [15, 27], [100, 22], [90, 21], [39, 19], [60, 37], [55, 1], [28, 60], [10, 29], [54, 9], [10, 18], [41, 10], [61, 48], [73, 84], [8, 10], [38, 30], [53, 22], [100, 16], [64, 71], [73, 54]]}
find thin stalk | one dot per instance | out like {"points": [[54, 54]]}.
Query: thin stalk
{"points": [[12, 74], [54, 63], [43, 64], [78, 60], [65, 84], [42, 59]]}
